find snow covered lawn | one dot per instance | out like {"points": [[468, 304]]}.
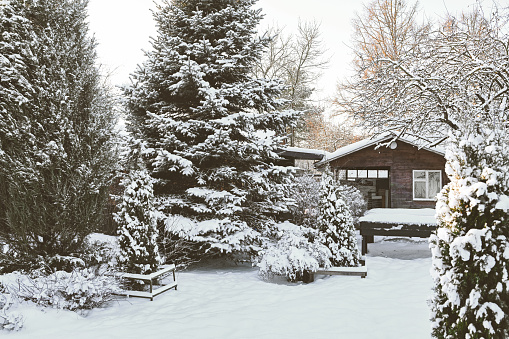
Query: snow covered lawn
{"points": [[233, 302]]}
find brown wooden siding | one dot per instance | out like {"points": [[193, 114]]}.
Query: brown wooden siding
{"points": [[401, 162]]}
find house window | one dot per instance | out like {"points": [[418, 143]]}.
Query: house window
{"points": [[427, 184], [353, 174]]}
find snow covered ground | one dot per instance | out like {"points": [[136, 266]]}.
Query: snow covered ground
{"points": [[227, 301]]}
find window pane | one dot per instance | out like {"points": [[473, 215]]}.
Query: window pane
{"points": [[352, 173], [420, 175], [372, 174], [384, 174], [433, 184], [420, 190], [362, 173]]}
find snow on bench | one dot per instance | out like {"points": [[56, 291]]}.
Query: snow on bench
{"points": [[401, 222], [361, 271], [155, 276]]}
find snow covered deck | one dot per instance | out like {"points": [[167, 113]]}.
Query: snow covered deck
{"points": [[396, 222]]}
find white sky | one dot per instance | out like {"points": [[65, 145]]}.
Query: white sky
{"points": [[123, 28]]}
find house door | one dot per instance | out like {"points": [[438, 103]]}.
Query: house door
{"points": [[383, 190]]}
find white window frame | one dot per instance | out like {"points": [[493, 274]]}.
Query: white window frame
{"points": [[352, 174], [427, 183]]}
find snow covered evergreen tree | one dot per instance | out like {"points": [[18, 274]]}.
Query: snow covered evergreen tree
{"points": [[15, 91], [137, 224], [56, 130], [471, 248], [210, 126], [335, 224]]}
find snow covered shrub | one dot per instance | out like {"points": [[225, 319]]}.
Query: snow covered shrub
{"points": [[93, 254], [82, 289], [471, 247], [99, 254], [297, 251], [355, 201], [306, 192], [8, 321], [138, 225], [335, 224]]}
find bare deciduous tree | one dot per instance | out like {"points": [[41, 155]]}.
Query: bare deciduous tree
{"points": [[298, 60], [458, 75], [386, 29], [328, 134]]}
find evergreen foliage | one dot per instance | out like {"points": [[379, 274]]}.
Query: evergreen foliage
{"points": [[335, 224], [56, 129], [210, 127], [137, 224], [471, 247]]}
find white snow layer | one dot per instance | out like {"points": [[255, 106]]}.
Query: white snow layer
{"points": [[234, 302], [421, 216]]}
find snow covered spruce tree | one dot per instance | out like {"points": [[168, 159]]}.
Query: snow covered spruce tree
{"points": [[335, 224], [471, 247], [56, 131], [137, 221], [211, 127]]}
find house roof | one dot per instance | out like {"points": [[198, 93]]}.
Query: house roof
{"points": [[302, 153], [377, 141]]}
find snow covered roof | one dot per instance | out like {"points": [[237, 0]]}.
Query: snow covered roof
{"points": [[374, 141], [302, 153]]}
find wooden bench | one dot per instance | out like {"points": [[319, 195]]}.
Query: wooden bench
{"points": [[151, 278], [361, 271], [369, 229]]}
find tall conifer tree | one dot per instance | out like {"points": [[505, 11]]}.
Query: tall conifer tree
{"points": [[209, 125], [56, 136], [471, 247]]}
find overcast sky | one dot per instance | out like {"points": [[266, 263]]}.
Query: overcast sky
{"points": [[123, 27]]}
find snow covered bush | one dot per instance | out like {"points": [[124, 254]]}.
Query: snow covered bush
{"points": [[82, 289], [211, 128], [471, 247], [92, 254], [355, 201], [295, 253], [335, 224], [306, 192], [8, 321], [137, 223], [99, 254]]}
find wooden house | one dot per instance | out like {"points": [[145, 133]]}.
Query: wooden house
{"points": [[391, 174]]}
